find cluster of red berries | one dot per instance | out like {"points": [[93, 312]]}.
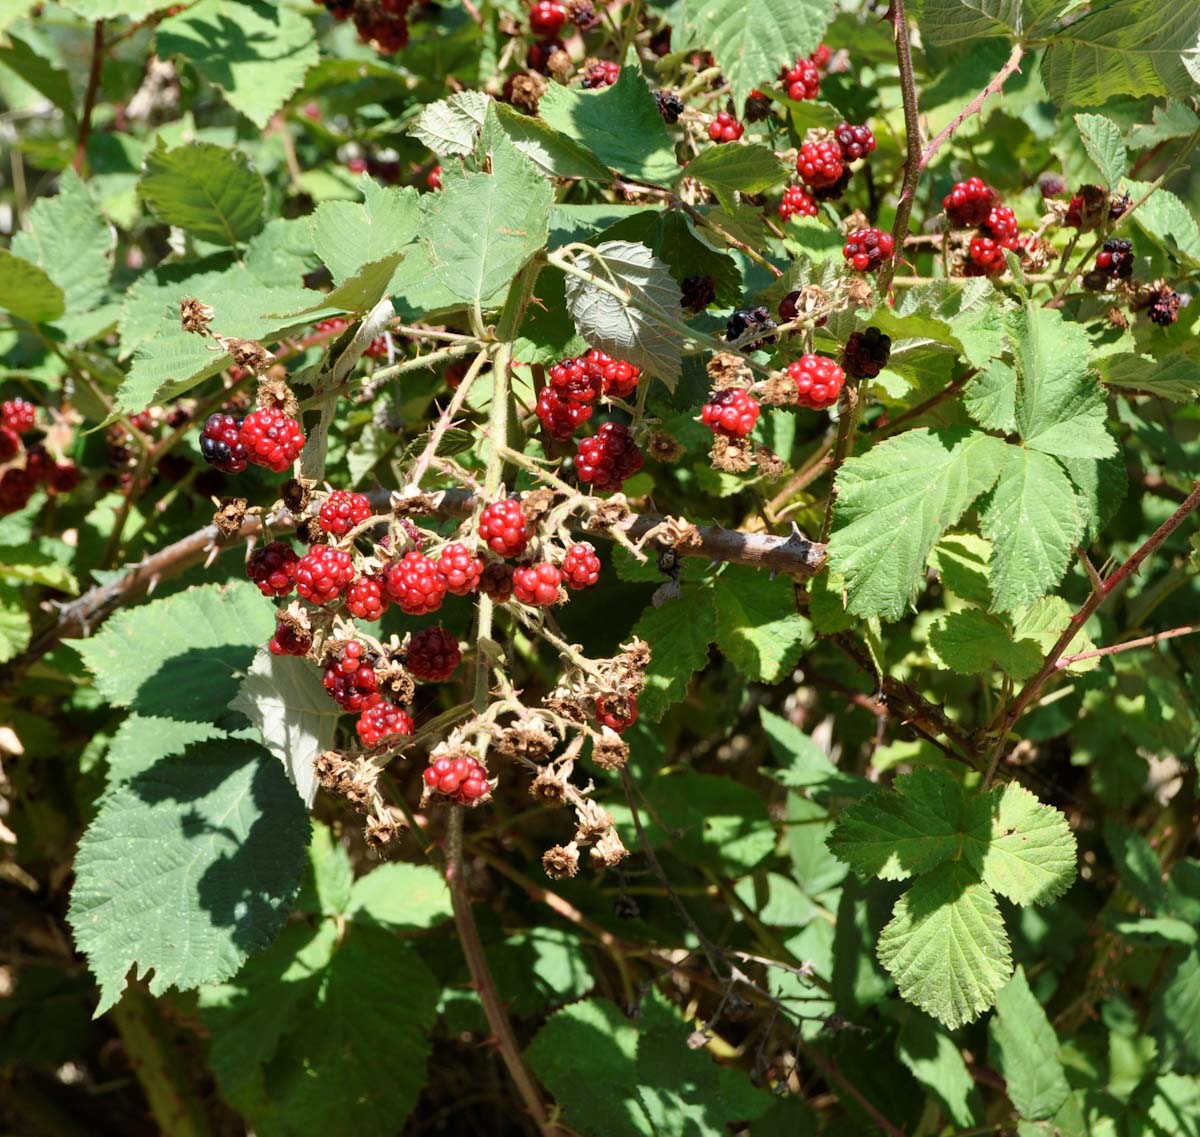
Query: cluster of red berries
{"points": [[603, 73], [463, 780], [819, 381], [975, 204], [797, 202], [731, 413], [725, 128], [266, 437], [608, 458], [823, 161], [566, 402], [19, 482], [381, 23]]}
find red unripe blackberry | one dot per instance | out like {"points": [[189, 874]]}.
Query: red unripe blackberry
{"points": [[221, 444], [580, 567], [38, 462], [1088, 208], [867, 249], [273, 568], [460, 569], [1163, 310], [802, 80], [602, 74], [537, 584], [1116, 259], [608, 458], [617, 378], [546, 18], [576, 380], [797, 202], [366, 598], [822, 55], [731, 412], [462, 779], [855, 141], [350, 680], [985, 257], [819, 164], [969, 203], [725, 128], [612, 717], [415, 584], [64, 478], [16, 488], [818, 379], [323, 573], [343, 511], [18, 415], [271, 438], [357, 165], [502, 527], [559, 415], [288, 641], [433, 654], [1000, 224], [866, 353], [383, 720], [537, 58], [10, 444], [433, 179], [1051, 185]]}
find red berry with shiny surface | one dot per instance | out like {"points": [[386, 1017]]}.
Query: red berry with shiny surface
{"points": [[730, 412], [287, 641], [344, 511], [502, 527], [463, 780], [18, 415], [350, 680], [561, 417], [433, 654], [323, 573], [271, 438], [273, 568], [460, 569], [608, 458], [546, 18], [617, 377], [602, 74], [985, 257], [415, 585], [725, 128], [221, 444], [819, 381], [16, 488], [576, 380], [383, 720], [10, 444], [1000, 224], [366, 598], [798, 202], [580, 567], [802, 80], [537, 584], [969, 203], [610, 713], [819, 164], [867, 249]]}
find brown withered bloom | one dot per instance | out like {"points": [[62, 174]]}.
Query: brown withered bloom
{"points": [[664, 447], [728, 370], [230, 515], [561, 861], [609, 750], [297, 493], [247, 353], [779, 390], [380, 832], [273, 391], [608, 851], [195, 316], [729, 457]]}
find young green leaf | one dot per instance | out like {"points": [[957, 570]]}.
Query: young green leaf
{"points": [[27, 291], [347, 235], [946, 946], [682, 648], [758, 627], [450, 126], [971, 642], [894, 503], [1029, 855], [1102, 141], [726, 169], [188, 869], [1027, 1051]]}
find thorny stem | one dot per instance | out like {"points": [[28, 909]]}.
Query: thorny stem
{"points": [[1128, 645], [419, 363], [912, 138], [421, 466], [975, 105], [852, 399], [1049, 667]]}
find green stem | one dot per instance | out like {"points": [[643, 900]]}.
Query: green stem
{"points": [[158, 1065]]}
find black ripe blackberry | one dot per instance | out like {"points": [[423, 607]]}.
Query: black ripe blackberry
{"points": [[221, 445], [698, 292], [750, 320], [670, 106]]}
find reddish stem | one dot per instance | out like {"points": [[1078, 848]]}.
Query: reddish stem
{"points": [[89, 98]]}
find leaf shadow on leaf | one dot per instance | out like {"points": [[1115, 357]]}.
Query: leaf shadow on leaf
{"points": [[231, 889], [196, 684], [217, 46]]}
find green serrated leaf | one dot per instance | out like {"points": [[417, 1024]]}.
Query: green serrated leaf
{"points": [[207, 191], [937, 1063], [1102, 141], [1175, 377], [1167, 222], [805, 766], [680, 648], [1029, 855], [620, 124], [750, 41], [1124, 47], [27, 291], [555, 154], [142, 740], [952, 21], [1177, 1013], [42, 74], [282, 252], [727, 169], [450, 126], [758, 627], [1060, 408], [15, 627], [290, 710], [894, 502], [946, 946], [188, 869], [257, 52], [634, 331], [347, 235], [1027, 1051], [400, 896], [971, 642], [482, 227]]}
